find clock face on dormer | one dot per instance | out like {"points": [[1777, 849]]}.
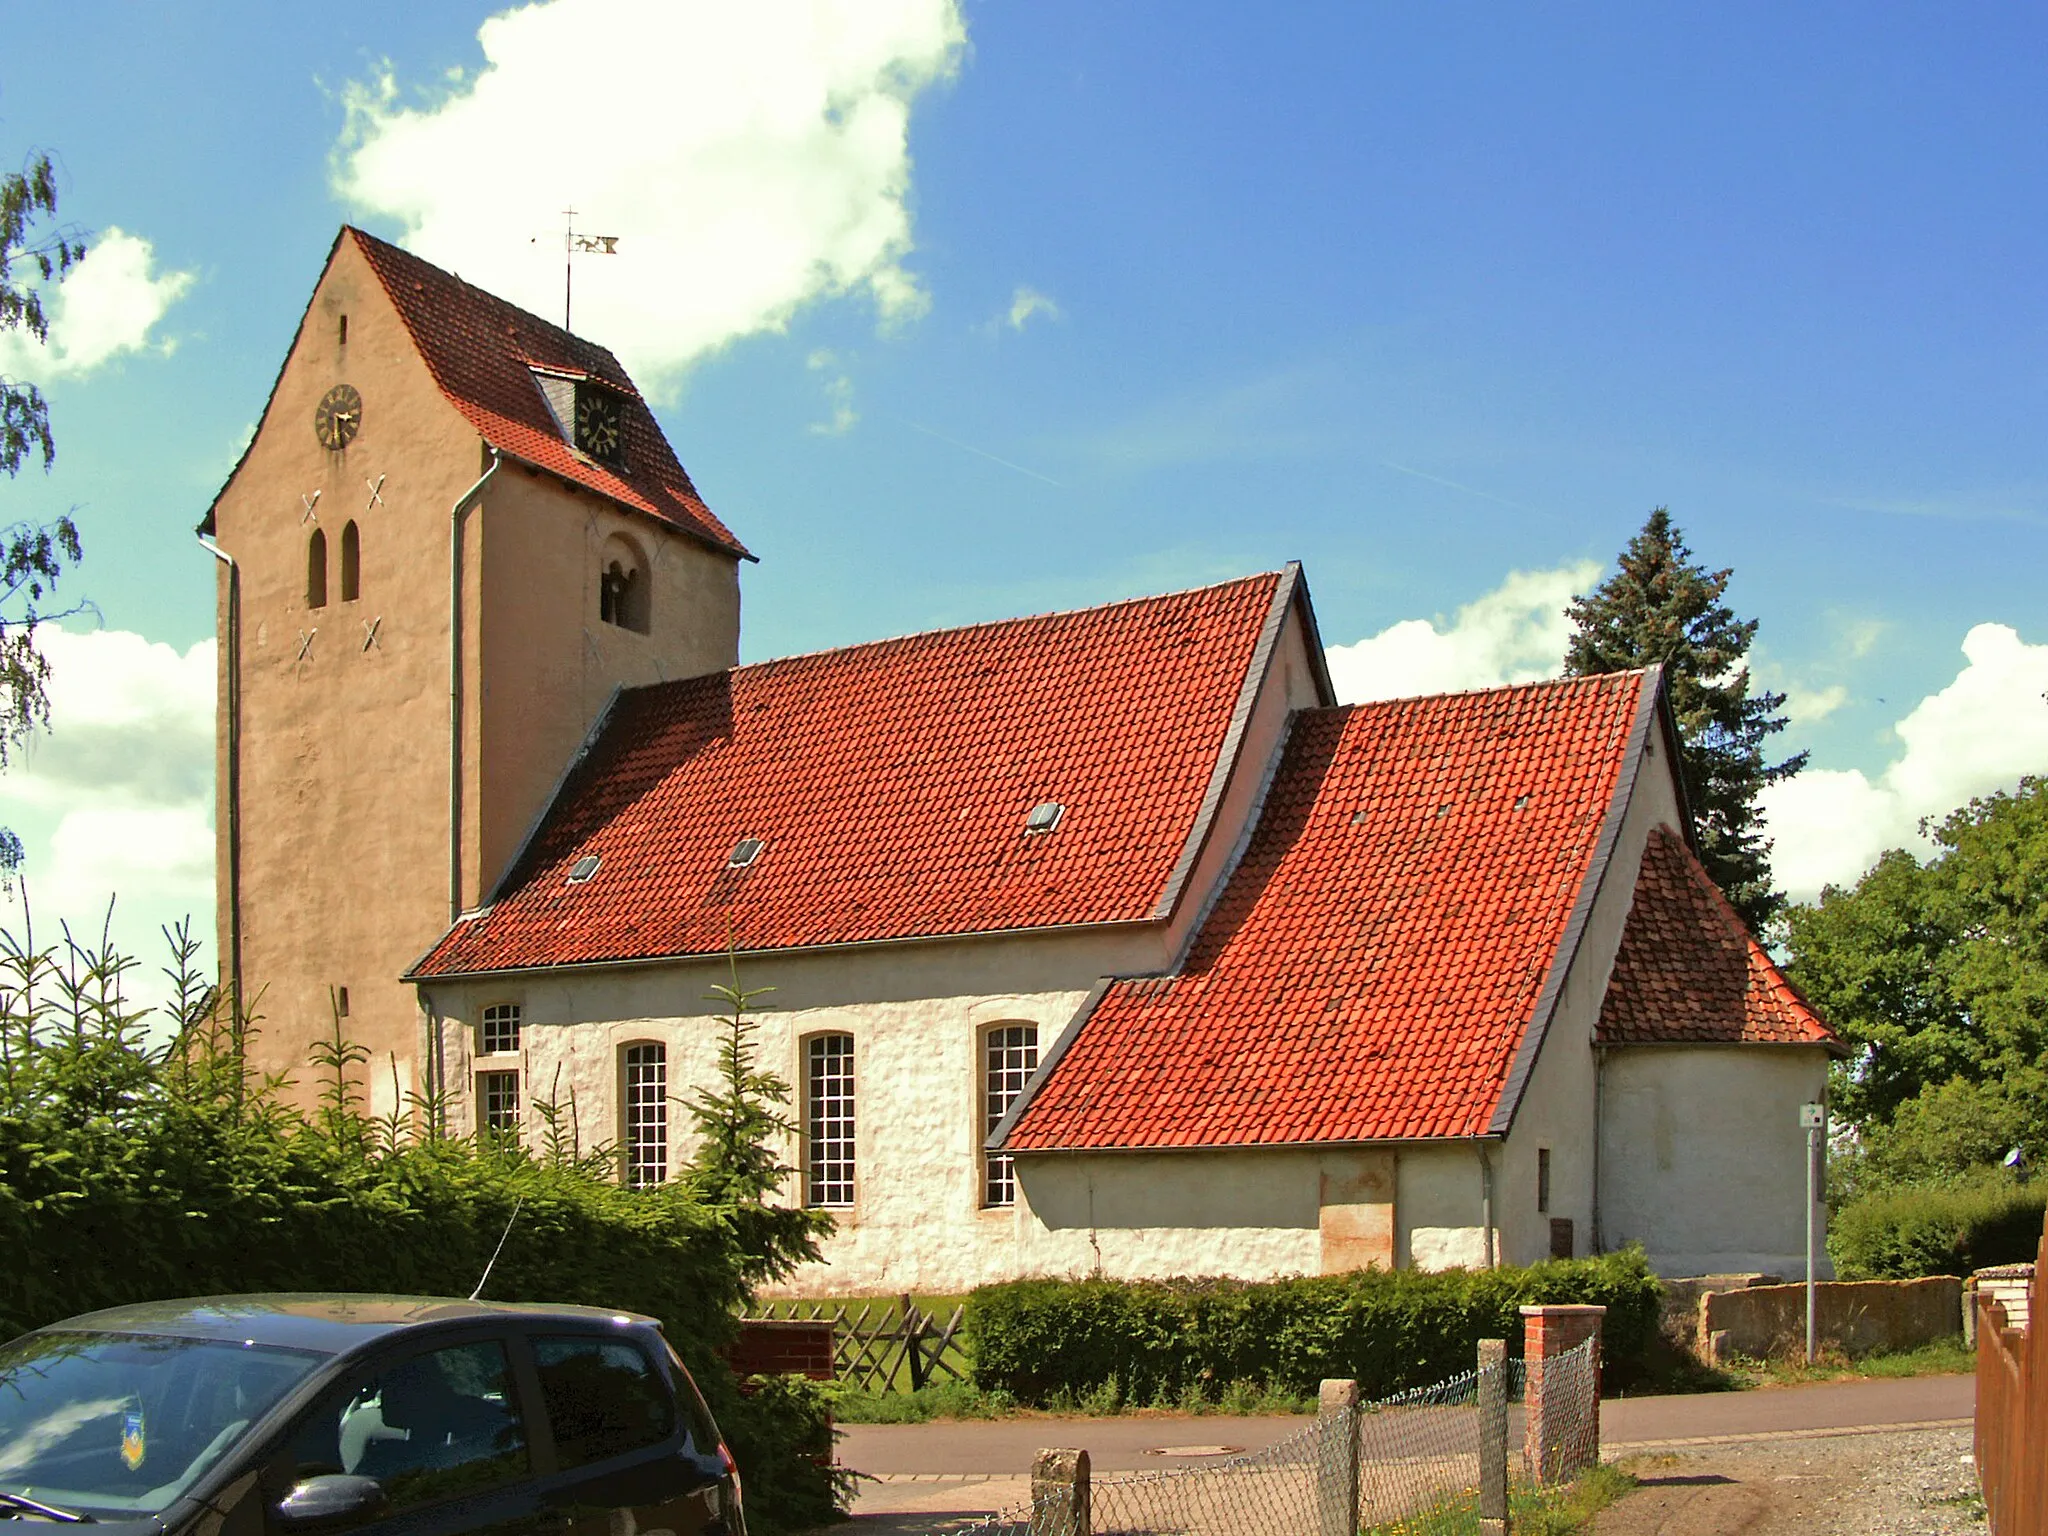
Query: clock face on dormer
{"points": [[600, 424], [338, 417]]}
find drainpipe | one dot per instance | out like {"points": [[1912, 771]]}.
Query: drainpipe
{"points": [[1486, 1202], [1597, 1240], [234, 705], [455, 685]]}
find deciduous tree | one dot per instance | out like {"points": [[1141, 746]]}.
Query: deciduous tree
{"points": [[1938, 974], [1662, 606], [33, 555]]}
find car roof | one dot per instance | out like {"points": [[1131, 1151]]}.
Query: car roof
{"points": [[330, 1322]]}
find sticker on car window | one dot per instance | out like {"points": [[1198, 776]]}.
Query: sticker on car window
{"points": [[134, 1442]]}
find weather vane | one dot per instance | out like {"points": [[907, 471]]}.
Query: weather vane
{"points": [[572, 243]]}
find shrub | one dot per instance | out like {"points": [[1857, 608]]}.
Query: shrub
{"points": [[1389, 1329], [1904, 1233], [133, 1173]]}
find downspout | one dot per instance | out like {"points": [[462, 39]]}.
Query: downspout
{"points": [[1597, 1238], [234, 704], [1486, 1203], [455, 685]]}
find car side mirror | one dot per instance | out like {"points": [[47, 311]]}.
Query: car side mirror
{"points": [[330, 1497]]}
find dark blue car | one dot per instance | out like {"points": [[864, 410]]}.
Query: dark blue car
{"points": [[387, 1415]]}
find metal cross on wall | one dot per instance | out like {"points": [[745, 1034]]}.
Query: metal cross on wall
{"points": [[376, 493], [310, 502]]}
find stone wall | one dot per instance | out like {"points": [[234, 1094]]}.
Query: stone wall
{"points": [[1854, 1316]]}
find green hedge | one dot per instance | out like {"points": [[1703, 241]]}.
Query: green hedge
{"points": [[181, 1201], [132, 1173], [1389, 1329], [1902, 1234]]}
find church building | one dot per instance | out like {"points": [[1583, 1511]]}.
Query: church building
{"points": [[1103, 941]]}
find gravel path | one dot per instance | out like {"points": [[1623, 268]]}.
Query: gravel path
{"points": [[1912, 1483]]}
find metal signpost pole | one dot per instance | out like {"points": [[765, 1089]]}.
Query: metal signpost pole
{"points": [[1812, 1117]]}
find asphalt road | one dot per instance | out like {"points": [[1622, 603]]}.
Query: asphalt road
{"points": [[1004, 1448]]}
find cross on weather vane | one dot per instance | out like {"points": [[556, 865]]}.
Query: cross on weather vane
{"points": [[572, 244]]}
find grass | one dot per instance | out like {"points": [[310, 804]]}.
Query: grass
{"points": [[1944, 1357], [957, 1400], [1559, 1509]]}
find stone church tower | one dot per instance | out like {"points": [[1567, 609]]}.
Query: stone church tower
{"points": [[457, 531]]}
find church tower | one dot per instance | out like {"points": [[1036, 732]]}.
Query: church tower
{"points": [[457, 531]]}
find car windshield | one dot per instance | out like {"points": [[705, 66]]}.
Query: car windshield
{"points": [[122, 1423]]}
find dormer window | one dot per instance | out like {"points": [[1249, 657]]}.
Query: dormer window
{"points": [[591, 415]]}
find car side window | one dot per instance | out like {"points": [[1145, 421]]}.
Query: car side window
{"points": [[427, 1428], [603, 1397]]}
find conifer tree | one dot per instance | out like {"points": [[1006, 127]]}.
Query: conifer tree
{"points": [[1662, 606]]}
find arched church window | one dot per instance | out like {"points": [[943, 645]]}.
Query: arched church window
{"points": [[828, 1120], [643, 1068], [316, 569], [623, 596], [1009, 1057], [351, 563]]}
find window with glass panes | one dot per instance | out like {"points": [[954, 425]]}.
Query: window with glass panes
{"points": [[497, 1101], [500, 1031], [1010, 1057], [646, 1094], [828, 1112]]}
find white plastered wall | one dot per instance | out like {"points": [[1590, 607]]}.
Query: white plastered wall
{"points": [[917, 1013], [1558, 1109], [1704, 1162]]}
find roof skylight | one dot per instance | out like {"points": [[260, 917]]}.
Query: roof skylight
{"points": [[1045, 816], [744, 852], [583, 868]]}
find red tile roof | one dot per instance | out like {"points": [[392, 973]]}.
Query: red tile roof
{"points": [[1375, 961], [482, 352], [891, 783], [1688, 970]]}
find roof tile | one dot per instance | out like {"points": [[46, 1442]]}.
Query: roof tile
{"points": [[1688, 970], [890, 783], [483, 351], [1376, 957]]}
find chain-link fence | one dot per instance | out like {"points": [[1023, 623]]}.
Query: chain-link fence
{"points": [[1414, 1464]]}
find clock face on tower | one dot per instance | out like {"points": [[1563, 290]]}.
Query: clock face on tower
{"points": [[338, 416], [599, 423]]}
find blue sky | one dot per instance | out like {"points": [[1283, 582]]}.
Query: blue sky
{"points": [[1149, 296]]}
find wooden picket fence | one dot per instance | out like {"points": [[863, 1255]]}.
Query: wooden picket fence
{"points": [[886, 1344], [2012, 1409]]}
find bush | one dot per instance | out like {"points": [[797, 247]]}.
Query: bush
{"points": [[1389, 1329], [1904, 1233], [134, 1173]]}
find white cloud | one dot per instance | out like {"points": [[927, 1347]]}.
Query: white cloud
{"points": [[1025, 303], [116, 799], [1980, 733], [751, 159], [838, 395], [107, 305], [1516, 633], [1807, 705]]}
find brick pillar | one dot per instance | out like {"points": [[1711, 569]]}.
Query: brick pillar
{"points": [[1563, 1412]]}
